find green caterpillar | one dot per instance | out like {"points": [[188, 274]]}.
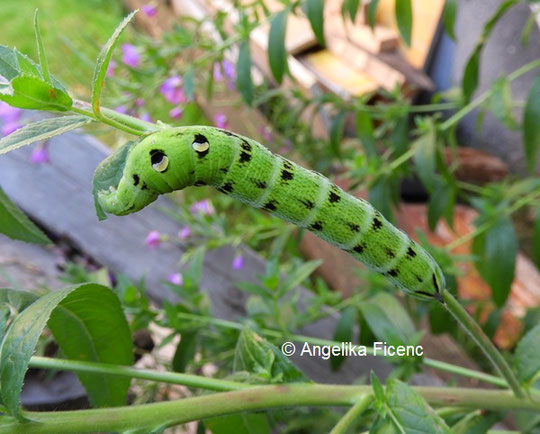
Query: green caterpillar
{"points": [[176, 158]]}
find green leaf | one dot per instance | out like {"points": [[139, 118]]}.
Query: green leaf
{"points": [[299, 274], [527, 357], [378, 390], [380, 196], [351, 6], [248, 423], [315, 14], [501, 103], [477, 422], [441, 201], [469, 82], [189, 83], [372, 12], [531, 125], [185, 351], [424, 157], [243, 72], [30, 92], [88, 323], [496, 250], [16, 225], [336, 132], [449, 17], [277, 55], [41, 130], [267, 363], [404, 19], [388, 319], [41, 50], [364, 131], [410, 412], [103, 60], [343, 333], [9, 66], [536, 239], [108, 174]]}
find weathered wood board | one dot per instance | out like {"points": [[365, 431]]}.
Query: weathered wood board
{"points": [[58, 196]]}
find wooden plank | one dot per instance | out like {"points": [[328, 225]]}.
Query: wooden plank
{"points": [[58, 196]]}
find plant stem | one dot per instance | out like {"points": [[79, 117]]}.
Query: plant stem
{"points": [[464, 319], [350, 417], [149, 416]]}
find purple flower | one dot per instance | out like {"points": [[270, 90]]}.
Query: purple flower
{"points": [[149, 10], [9, 127], [9, 114], [204, 207], [153, 239], [176, 279], [184, 232], [176, 112], [266, 134], [130, 55], [172, 90], [139, 102], [145, 117], [40, 154], [110, 68], [220, 120], [238, 262], [228, 69], [121, 109]]}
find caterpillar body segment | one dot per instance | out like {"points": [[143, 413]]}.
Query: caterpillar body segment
{"points": [[176, 158]]}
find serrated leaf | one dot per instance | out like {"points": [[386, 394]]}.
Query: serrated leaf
{"points": [[449, 17], [108, 174], [410, 411], [315, 14], [527, 356], [103, 60], [88, 323], [299, 274], [256, 355], [16, 225], [185, 351], [243, 72], [404, 19], [277, 55], [41, 130], [388, 319], [372, 12], [424, 156], [501, 103], [29, 92], [378, 390], [343, 333], [531, 125]]}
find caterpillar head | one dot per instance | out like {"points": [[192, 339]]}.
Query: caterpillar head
{"points": [[134, 175]]}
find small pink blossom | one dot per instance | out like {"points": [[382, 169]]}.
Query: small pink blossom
{"points": [[139, 102], [176, 112], [238, 262], [149, 10], [175, 279], [184, 232], [172, 90], [40, 154], [218, 76], [10, 127], [204, 207], [220, 120], [121, 109], [130, 55], [9, 114], [266, 134], [111, 68], [153, 239]]}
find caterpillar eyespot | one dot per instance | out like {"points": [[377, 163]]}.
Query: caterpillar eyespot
{"points": [[246, 170]]}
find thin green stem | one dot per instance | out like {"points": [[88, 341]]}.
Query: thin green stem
{"points": [[454, 119], [471, 326], [401, 159], [350, 417], [108, 121], [149, 416]]}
